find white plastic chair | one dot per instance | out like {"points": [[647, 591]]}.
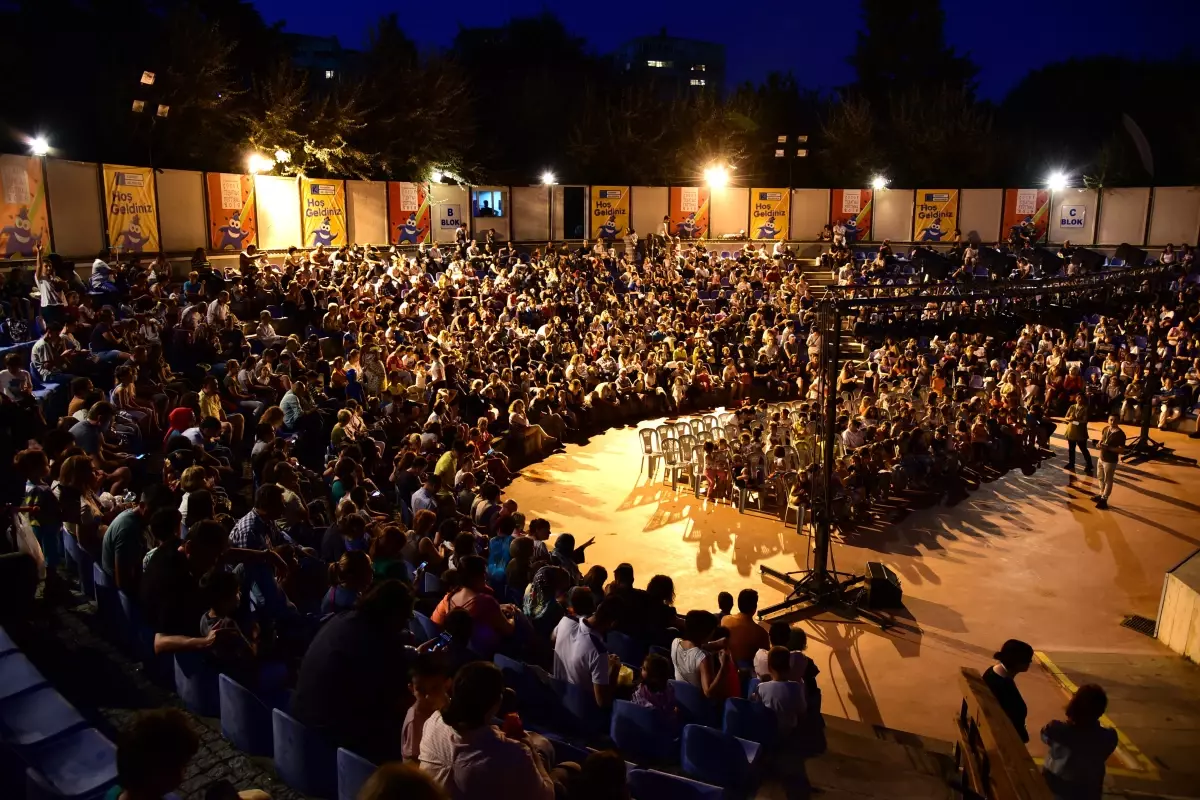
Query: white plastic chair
{"points": [[651, 451]]}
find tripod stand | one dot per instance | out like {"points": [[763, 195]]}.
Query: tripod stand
{"points": [[1144, 447], [820, 587]]}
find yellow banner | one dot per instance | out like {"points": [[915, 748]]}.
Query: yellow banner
{"points": [[610, 211], [132, 209], [23, 209], [770, 211], [324, 202], [936, 215]]}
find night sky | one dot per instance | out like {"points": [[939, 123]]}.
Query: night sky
{"points": [[1006, 39]]}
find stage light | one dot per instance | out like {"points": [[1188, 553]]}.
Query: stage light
{"points": [[282, 156], [257, 162], [548, 178], [436, 176], [879, 183], [717, 176], [38, 146], [1056, 182]]}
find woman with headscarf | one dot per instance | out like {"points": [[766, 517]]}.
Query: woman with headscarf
{"points": [[542, 605], [178, 421]]}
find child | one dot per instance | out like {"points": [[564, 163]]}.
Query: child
{"points": [[349, 577], [430, 686], [803, 669], [780, 694], [655, 689], [234, 651], [1079, 747], [724, 604], [46, 521]]}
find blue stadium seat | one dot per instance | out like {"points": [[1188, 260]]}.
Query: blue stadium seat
{"points": [[720, 759], [694, 707], [196, 684], [565, 751], [752, 686], [585, 717], [352, 772], [18, 675], [644, 735], [79, 765], [7, 645], [649, 784], [36, 716], [627, 649], [303, 758], [750, 721], [245, 718], [430, 628]]}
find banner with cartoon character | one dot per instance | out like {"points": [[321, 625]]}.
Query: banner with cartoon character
{"points": [[770, 210], [324, 202], [232, 217], [1028, 209], [132, 209], [408, 212], [852, 208], [610, 212], [936, 216], [689, 212], [23, 219]]}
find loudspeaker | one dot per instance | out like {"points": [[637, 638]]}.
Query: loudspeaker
{"points": [[1048, 262], [997, 263], [1090, 259], [932, 263], [883, 587], [1132, 256]]}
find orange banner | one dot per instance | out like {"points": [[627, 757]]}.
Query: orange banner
{"points": [[852, 208], [408, 212]]}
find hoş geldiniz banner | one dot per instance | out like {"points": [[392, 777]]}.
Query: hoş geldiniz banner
{"points": [[936, 215], [689, 212], [408, 212], [131, 209], [610, 211], [324, 207], [852, 208], [1026, 208], [770, 210], [232, 221], [23, 220]]}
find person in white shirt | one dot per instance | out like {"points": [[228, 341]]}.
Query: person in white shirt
{"points": [[218, 310], [781, 694], [853, 437], [839, 233], [437, 369], [580, 655]]}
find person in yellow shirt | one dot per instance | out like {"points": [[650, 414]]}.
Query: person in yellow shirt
{"points": [[232, 425]]}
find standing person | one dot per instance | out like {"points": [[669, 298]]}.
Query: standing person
{"points": [[1074, 767], [1112, 445], [1077, 433], [1014, 658]]}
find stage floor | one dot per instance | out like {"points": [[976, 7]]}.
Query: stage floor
{"points": [[1021, 557]]}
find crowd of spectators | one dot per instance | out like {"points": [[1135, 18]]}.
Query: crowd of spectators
{"points": [[281, 461]]}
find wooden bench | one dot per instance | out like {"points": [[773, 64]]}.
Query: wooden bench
{"points": [[989, 754]]}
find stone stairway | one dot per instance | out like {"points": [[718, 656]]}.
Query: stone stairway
{"points": [[872, 761]]}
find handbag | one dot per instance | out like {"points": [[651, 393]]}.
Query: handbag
{"points": [[27, 542]]}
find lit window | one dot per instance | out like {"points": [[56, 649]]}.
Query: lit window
{"points": [[697, 81], [698, 68], [653, 63], [329, 74]]}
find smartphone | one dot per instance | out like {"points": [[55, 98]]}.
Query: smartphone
{"points": [[139, 458], [376, 493], [423, 565]]}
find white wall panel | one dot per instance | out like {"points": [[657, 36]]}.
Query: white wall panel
{"points": [[1064, 226], [277, 200], [893, 215], [181, 210], [730, 210], [1175, 217], [1123, 216], [366, 206], [810, 212], [75, 219], [979, 213]]}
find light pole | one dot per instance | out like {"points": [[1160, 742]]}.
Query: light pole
{"points": [[784, 150], [549, 181]]}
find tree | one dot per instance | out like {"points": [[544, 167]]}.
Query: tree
{"points": [[902, 46]]}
